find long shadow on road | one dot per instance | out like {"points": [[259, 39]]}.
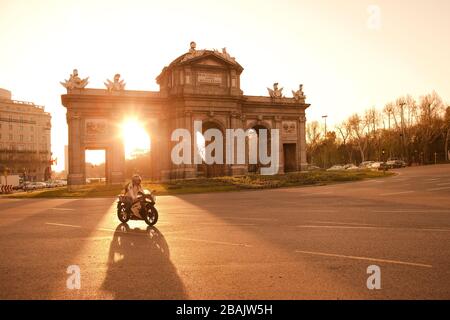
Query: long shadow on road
{"points": [[139, 266]]}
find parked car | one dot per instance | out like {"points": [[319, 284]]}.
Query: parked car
{"points": [[378, 165], [40, 185], [366, 164], [50, 184], [28, 186], [60, 183], [396, 163], [336, 168], [351, 167]]}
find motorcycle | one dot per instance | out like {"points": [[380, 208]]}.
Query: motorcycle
{"points": [[143, 208]]}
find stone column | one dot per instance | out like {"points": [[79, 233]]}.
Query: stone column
{"points": [[279, 125], [116, 165], [77, 170], [237, 169], [190, 170], [164, 149], [177, 171], [302, 161]]}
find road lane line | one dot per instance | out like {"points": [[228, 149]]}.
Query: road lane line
{"points": [[337, 227], [373, 227], [411, 211], [321, 193], [318, 210], [439, 189], [214, 242], [343, 223], [365, 259], [315, 194], [395, 193], [224, 224], [248, 218], [62, 225]]}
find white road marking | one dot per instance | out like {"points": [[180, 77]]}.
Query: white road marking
{"points": [[439, 189], [248, 218], [215, 242], [401, 211], [337, 227], [315, 194], [62, 225], [373, 227], [224, 224], [318, 210], [111, 230], [395, 193], [365, 259], [411, 211], [343, 223]]}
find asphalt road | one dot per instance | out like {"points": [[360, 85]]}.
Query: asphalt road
{"points": [[298, 243]]}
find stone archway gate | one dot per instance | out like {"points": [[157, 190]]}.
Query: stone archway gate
{"points": [[200, 85]]}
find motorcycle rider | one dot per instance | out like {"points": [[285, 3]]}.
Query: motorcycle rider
{"points": [[133, 189]]}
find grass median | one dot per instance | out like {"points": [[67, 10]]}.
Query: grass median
{"points": [[219, 184]]}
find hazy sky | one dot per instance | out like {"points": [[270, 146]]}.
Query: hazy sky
{"points": [[334, 48]]}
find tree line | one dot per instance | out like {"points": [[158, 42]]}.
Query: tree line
{"points": [[416, 131]]}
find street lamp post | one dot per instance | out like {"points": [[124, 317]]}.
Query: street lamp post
{"points": [[325, 137], [325, 120]]}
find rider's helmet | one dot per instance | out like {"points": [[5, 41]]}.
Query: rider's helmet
{"points": [[136, 180]]}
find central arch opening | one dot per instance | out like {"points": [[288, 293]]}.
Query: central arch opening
{"points": [[137, 144], [254, 134], [95, 166], [216, 169]]}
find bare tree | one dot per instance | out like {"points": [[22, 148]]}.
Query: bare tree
{"points": [[446, 133], [357, 129], [313, 137], [344, 130], [431, 109]]}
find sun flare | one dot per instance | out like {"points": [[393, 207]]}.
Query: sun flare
{"points": [[136, 139]]}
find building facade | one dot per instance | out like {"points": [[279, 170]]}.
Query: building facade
{"points": [[200, 85], [25, 143]]}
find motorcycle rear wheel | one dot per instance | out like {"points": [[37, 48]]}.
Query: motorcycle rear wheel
{"points": [[151, 216]]}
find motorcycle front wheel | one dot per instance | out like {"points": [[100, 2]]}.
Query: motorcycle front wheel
{"points": [[151, 216], [122, 213]]}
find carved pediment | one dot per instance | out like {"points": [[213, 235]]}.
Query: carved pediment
{"points": [[214, 58], [211, 62]]}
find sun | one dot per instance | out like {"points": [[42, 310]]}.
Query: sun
{"points": [[135, 138]]}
